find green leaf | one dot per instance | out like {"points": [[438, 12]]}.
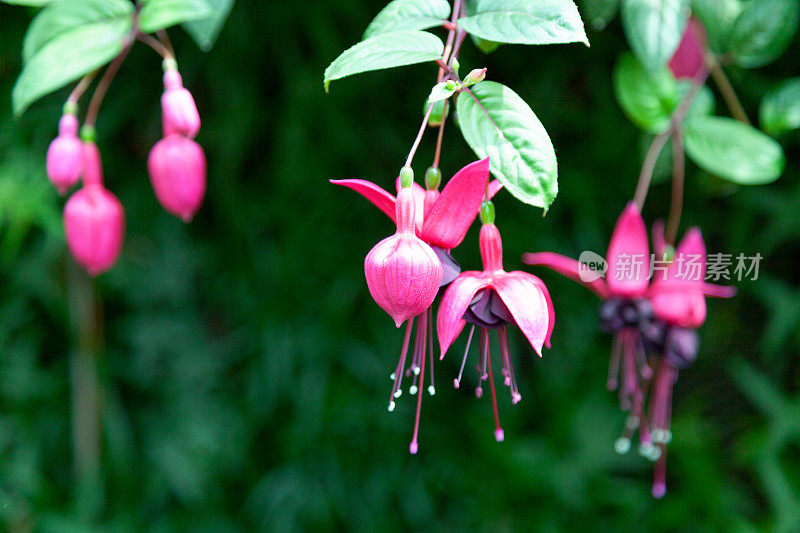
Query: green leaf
{"points": [[525, 22], [205, 31], [717, 17], [498, 124], [442, 91], [733, 150], [61, 16], [654, 28], [780, 109], [600, 12], [409, 15], [703, 104], [159, 14], [68, 57], [32, 3], [385, 50], [763, 30], [487, 47], [648, 99]]}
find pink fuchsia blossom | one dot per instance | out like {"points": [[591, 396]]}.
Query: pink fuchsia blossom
{"points": [[177, 168], [64, 155], [178, 109], [688, 61], [491, 299], [94, 221]]}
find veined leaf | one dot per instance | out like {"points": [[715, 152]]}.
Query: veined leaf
{"points": [[498, 124], [32, 3], [717, 17], [648, 99], [733, 150], [654, 28], [409, 15], [780, 109], [385, 50], [763, 30], [442, 91], [159, 14], [526, 22], [205, 31], [61, 16], [68, 57]]}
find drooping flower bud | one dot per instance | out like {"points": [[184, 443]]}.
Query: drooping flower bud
{"points": [[64, 155], [403, 273], [94, 221], [177, 168], [689, 59], [179, 112]]}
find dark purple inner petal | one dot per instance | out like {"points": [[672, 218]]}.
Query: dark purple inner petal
{"points": [[487, 310], [451, 268]]}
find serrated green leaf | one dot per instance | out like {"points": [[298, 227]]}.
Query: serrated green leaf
{"points": [[704, 102], [654, 29], [763, 30], [68, 57], [385, 50], [205, 31], [525, 22], [409, 15], [498, 124], [733, 150], [600, 12], [63, 15], [648, 99], [717, 17], [780, 110], [442, 91], [159, 14]]}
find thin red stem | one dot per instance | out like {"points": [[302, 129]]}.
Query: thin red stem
{"points": [[439, 138], [678, 171], [419, 136], [79, 89], [160, 48], [105, 82]]}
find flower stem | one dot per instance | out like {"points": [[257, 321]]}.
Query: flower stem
{"points": [[105, 81], [79, 89], [439, 138], [160, 48], [727, 91], [678, 172], [419, 136]]}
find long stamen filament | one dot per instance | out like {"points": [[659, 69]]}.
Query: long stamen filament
{"points": [[422, 324], [457, 381], [498, 431]]}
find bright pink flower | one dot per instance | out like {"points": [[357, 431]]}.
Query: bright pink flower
{"points": [[491, 299], [689, 59], [178, 110], [94, 221], [64, 165], [177, 168], [403, 273]]}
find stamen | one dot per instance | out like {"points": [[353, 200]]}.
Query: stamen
{"points": [[613, 365], [506, 356], [660, 477], [457, 381], [397, 375], [622, 445], [498, 431], [432, 386], [641, 359], [421, 325], [484, 340]]}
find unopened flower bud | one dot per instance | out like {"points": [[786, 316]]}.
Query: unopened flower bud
{"points": [[179, 112], [64, 165], [177, 168], [438, 113], [406, 177], [433, 177], [474, 77]]}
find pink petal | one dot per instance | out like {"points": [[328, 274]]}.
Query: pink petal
{"points": [[451, 216], [628, 255], [379, 198], [454, 304], [550, 309], [568, 267], [494, 188], [688, 60], [679, 297], [526, 301], [718, 291]]}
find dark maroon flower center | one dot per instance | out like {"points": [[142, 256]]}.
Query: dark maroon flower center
{"points": [[487, 310]]}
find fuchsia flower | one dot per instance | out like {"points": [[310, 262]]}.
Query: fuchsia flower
{"points": [[689, 59], [64, 165], [492, 299], [94, 221], [678, 298], [179, 112], [440, 220], [177, 168]]}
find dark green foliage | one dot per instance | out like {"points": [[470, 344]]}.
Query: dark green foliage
{"points": [[244, 377]]}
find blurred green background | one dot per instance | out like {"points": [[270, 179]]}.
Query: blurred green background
{"points": [[244, 372]]}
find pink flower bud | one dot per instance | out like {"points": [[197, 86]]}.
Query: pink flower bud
{"points": [[94, 220], [95, 226], [179, 112], [64, 155], [177, 168], [689, 59], [403, 273]]}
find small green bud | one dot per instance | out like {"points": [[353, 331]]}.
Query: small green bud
{"points": [[474, 77], [70, 108], [433, 177], [88, 134], [487, 212], [406, 177], [455, 65], [169, 63], [438, 113]]}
